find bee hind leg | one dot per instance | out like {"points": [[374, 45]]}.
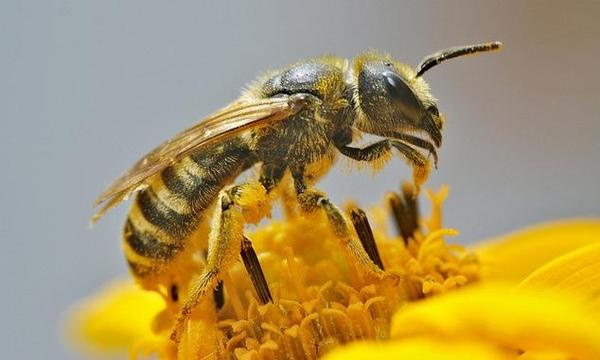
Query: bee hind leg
{"points": [[237, 205]]}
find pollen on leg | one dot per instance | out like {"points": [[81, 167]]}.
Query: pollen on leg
{"points": [[311, 200], [254, 201], [420, 175]]}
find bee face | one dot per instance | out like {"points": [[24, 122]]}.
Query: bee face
{"points": [[390, 97]]}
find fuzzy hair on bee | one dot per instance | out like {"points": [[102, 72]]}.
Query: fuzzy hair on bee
{"points": [[185, 226]]}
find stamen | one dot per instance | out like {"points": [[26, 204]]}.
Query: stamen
{"points": [[406, 211], [365, 234], [174, 292], [219, 296], [295, 274], [255, 271], [233, 297]]}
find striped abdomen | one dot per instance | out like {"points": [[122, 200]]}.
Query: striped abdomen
{"points": [[165, 213]]}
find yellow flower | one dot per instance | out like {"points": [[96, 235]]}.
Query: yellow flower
{"points": [[533, 295]]}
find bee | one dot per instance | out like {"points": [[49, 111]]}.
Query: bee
{"points": [[293, 122]]}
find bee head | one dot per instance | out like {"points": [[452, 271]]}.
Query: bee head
{"points": [[392, 97]]}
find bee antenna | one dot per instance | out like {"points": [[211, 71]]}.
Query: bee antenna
{"points": [[441, 56]]}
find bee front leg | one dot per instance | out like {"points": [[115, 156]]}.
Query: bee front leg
{"points": [[370, 153], [382, 148], [379, 150]]}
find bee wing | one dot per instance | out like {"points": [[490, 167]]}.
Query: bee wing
{"points": [[224, 124]]}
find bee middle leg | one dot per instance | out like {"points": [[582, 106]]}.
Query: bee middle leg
{"points": [[311, 200]]}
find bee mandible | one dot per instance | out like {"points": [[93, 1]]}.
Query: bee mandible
{"points": [[294, 122]]}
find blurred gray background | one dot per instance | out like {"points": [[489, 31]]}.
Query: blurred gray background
{"points": [[89, 86]]}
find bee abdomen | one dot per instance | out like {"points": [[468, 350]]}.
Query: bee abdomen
{"points": [[171, 207], [165, 215], [148, 245], [140, 270]]}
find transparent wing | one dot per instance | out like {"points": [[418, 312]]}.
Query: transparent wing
{"points": [[224, 124]]}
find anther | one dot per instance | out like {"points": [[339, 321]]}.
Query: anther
{"points": [[174, 293], [219, 295], [365, 234], [405, 210], [255, 271]]}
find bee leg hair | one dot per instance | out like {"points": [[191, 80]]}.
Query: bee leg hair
{"points": [[368, 153]]}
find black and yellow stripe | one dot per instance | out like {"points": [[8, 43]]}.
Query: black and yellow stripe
{"points": [[170, 208]]}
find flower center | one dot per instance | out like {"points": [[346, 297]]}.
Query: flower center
{"points": [[301, 296]]}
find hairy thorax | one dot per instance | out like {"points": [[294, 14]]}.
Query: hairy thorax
{"points": [[305, 138]]}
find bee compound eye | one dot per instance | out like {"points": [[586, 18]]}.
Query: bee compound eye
{"points": [[403, 95]]}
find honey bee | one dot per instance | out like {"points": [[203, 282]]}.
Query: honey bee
{"points": [[294, 122]]}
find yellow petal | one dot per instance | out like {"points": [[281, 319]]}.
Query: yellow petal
{"points": [[514, 256], [115, 318], [421, 349], [577, 272], [523, 319]]}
